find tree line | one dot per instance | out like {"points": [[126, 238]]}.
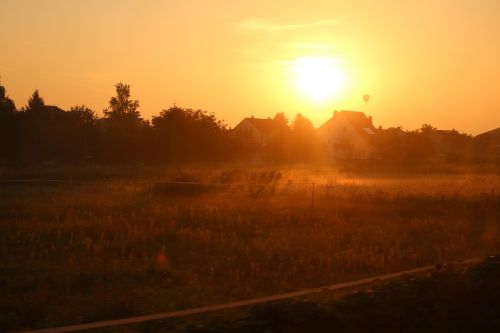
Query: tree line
{"points": [[39, 132]]}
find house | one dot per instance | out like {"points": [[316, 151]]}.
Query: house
{"points": [[450, 144], [489, 143], [348, 134], [259, 131], [490, 136]]}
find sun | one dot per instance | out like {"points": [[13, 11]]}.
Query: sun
{"points": [[319, 78]]}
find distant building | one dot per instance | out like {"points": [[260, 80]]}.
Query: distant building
{"points": [[450, 144], [259, 131], [489, 143], [490, 136], [348, 134]]}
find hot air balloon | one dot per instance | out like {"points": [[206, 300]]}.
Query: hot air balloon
{"points": [[366, 98]]}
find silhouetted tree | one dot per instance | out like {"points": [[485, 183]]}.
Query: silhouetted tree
{"points": [[123, 131], [40, 132], [281, 119], [84, 115], [121, 106], [427, 129], [391, 143], [304, 140], [7, 105], [8, 127], [302, 125], [280, 148], [34, 131], [424, 144], [186, 134], [82, 137], [35, 103]]}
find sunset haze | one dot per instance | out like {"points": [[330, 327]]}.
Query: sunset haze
{"points": [[434, 62]]}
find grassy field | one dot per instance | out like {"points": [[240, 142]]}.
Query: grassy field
{"points": [[109, 244], [453, 298]]}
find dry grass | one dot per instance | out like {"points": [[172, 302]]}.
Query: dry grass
{"points": [[110, 248]]}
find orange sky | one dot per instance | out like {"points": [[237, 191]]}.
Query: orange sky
{"points": [[424, 61]]}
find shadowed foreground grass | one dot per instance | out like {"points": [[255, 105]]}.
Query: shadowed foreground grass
{"points": [[103, 249], [450, 300]]}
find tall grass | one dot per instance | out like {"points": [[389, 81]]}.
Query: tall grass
{"points": [[103, 249]]}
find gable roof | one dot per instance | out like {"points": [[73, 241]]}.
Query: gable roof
{"points": [[490, 135], [356, 119], [265, 126]]}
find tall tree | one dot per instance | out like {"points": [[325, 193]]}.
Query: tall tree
{"points": [[36, 102], [122, 106], [304, 141], [7, 105], [302, 125], [279, 148], [124, 131], [8, 127], [281, 119]]}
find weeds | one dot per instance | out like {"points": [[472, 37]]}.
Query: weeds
{"points": [[106, 249]]}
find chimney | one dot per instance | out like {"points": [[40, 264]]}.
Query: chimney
{"points": [[370, 119]]}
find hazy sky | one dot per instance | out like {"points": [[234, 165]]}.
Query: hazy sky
{"points": [[425, 61]]}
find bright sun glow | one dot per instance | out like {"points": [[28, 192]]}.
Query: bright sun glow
{"points": [[320, 78]]}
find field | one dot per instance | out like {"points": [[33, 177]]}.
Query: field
{"points": [[454, 298], [109, 244]]}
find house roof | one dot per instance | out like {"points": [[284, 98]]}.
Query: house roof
{"points": [[358, 121], [265, 126], [490, 135], [441, 131]]}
